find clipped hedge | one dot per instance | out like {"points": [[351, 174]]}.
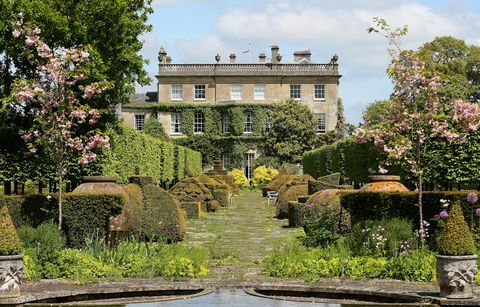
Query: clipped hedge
{"points": [[347, 157], [134, 153], [193, 162], [378, 205], [192, 209], [30, 210], [163, 218], [87, 213]]}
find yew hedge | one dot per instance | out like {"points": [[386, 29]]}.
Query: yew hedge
{"points": [[134, 153]]}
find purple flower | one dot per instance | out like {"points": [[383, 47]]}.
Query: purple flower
{"points": [[472, 198], [443, 214], [436, 216], [477, 212], [327, 192]]}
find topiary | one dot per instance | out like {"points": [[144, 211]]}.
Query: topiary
{"points": [[455, 238], [9, 241]]}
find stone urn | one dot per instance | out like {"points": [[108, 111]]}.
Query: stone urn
{"points": [[456, 275], [11, 275], [387, 183]]}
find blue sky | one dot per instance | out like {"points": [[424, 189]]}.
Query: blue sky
{"points": [[193, 31]]}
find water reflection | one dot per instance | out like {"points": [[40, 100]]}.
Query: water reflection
{"points": [[233, 297]]}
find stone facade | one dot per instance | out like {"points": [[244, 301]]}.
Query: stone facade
{"points": [[315, 85]]}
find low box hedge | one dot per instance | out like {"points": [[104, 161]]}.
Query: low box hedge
{"points": [[379, 205], [222, 196], [296, 214], [193, 209]]}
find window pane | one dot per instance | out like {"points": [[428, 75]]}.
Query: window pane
{"points": [[295, 91], [236, 93], [247, 163], [199, 92], [227, 161], [199, 123], [259, 92], [319, 91], [321, 123], [248, 122], [177, 92], [226, 123], [176, 125], [139, 122]]}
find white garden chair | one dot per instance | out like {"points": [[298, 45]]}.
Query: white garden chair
{"points": [[272, 197]]}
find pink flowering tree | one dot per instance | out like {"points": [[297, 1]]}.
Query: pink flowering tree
{"points": [[57, 99], [419, 116]]}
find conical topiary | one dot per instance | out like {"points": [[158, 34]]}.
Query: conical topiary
{"points": [[455, 238], [9, 240]]}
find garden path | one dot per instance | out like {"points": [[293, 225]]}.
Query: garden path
{"points": [[239, 236]]}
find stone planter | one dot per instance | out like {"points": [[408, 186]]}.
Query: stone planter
{"points": [[11, 275], [388, 183], [456, 275]]}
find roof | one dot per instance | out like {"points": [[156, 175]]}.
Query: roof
{"points": [[143, 97]]}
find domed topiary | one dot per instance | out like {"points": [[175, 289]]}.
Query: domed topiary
{"points": [[455, 238], [9, 241]]}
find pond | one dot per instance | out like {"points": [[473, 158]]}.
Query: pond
{"points": [[238, 297]]}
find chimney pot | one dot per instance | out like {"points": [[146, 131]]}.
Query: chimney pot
{"points": [[262, 57]]}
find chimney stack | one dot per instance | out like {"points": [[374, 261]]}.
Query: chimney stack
{"points": [[302, 54], [262, 57], [232, 57], [275, 54]]}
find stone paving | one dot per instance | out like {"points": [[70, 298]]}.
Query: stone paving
{"points": [[240, 236]]}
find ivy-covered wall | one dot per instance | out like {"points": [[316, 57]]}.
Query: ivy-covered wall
{"points": [[134, 153], [213, 143]]}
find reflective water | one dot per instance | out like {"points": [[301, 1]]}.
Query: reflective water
{"points": [[237, 297]]}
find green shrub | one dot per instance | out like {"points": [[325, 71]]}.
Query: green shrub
{"points": [[75, 264], [9, 242], [291, 260], [385, 238], [418, 265], [31, 210], [193, 209], [455, 238], [380, 205], [162, 217], [346, 156], [321, 231], [32, 269], [222, 196], [85, 213], [134, 153], [46, 239]]}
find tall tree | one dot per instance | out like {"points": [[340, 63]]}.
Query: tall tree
{"points": [[455, 62]]}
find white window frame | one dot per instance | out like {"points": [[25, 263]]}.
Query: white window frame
{"points": [[226, 123], [247, 164], [248, 122], [319, 89], [294, 90], [259, 92], [236, 92], [321, 122], [139, 122], [176, 92], [227, 161], [198, 122], [199, 89], [176, 123]]}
